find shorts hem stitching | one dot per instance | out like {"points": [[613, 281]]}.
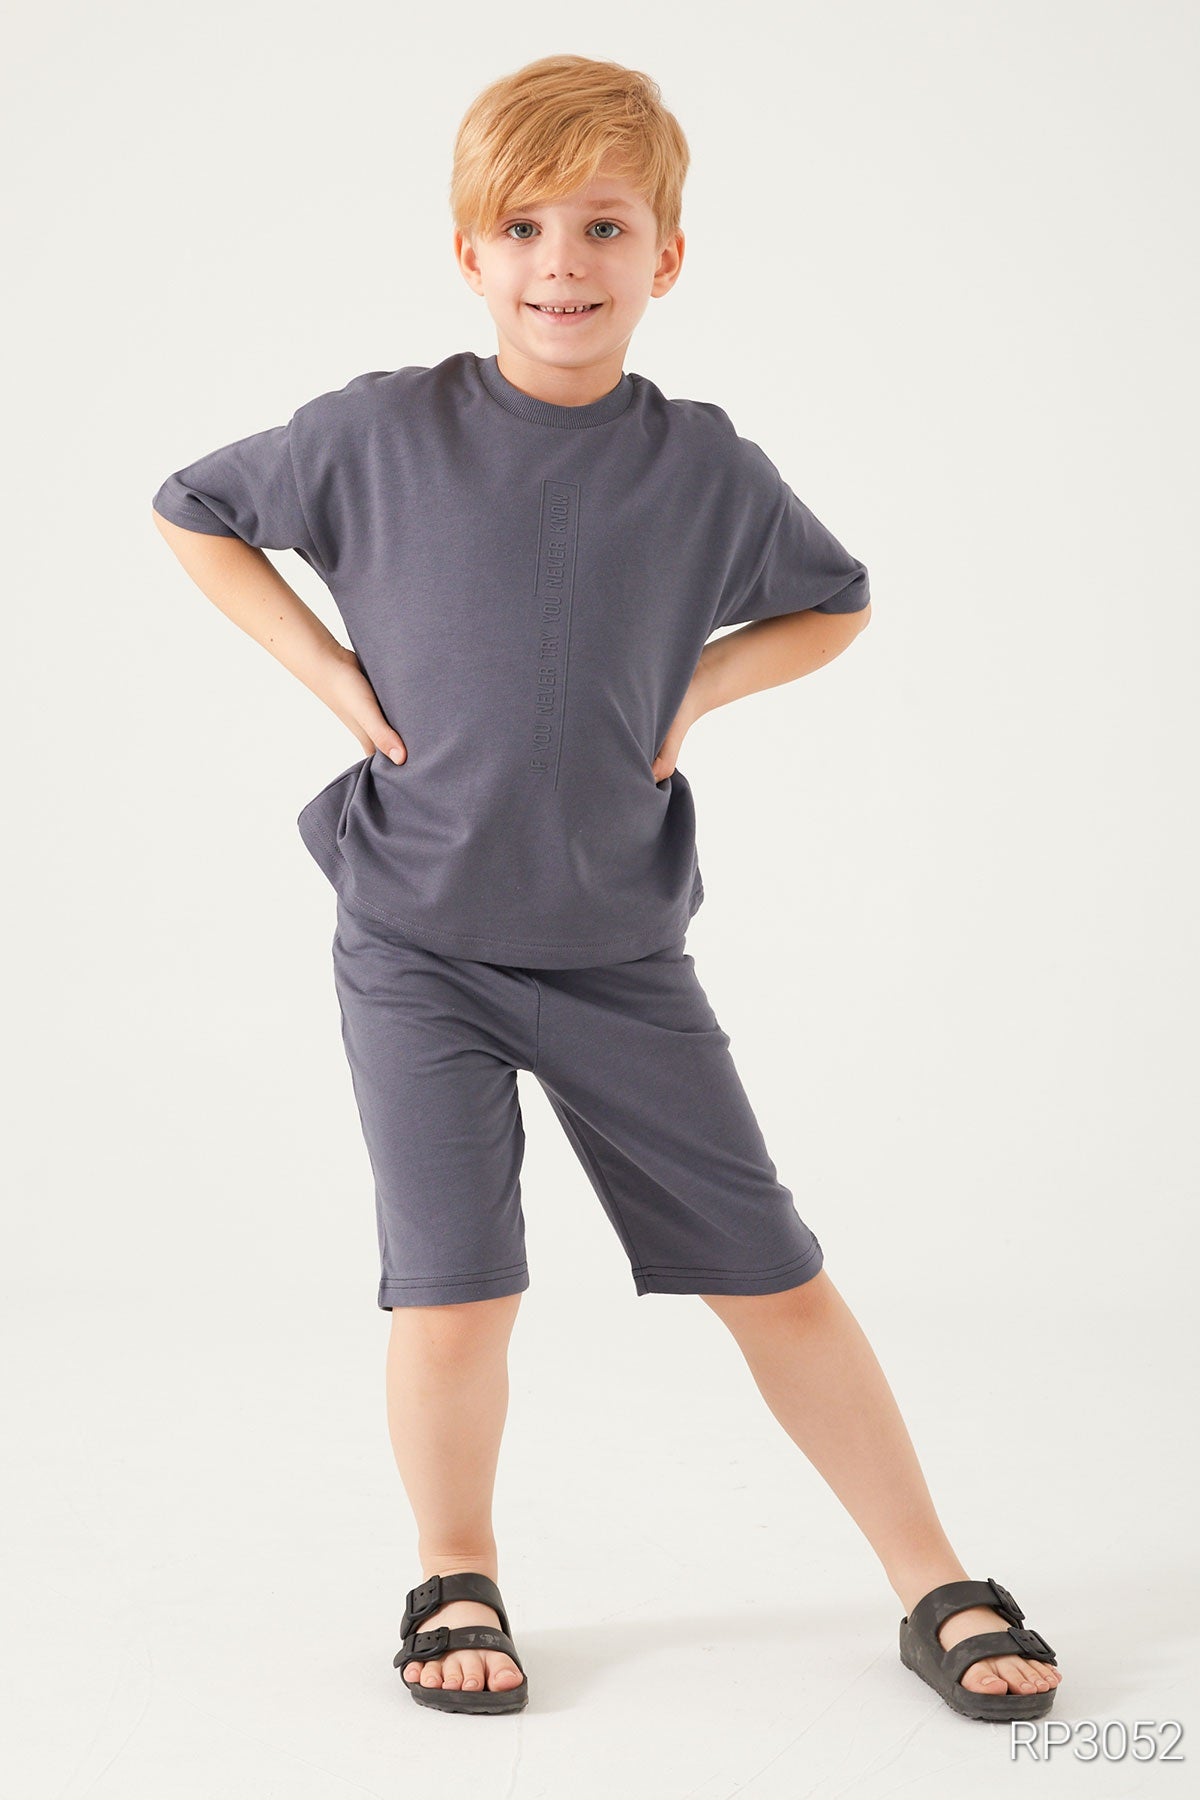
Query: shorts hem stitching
{"points": [[402, 1285], [748, 1280]]}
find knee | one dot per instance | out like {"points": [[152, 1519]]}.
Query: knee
{"points": [[458, 1323], [801, 1302]]}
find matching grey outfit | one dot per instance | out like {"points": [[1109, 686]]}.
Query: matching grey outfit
{"points": [[528, 587]]}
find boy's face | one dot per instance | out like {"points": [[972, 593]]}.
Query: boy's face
{"points": [[597, 246]]}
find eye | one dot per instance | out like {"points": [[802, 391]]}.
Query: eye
{"points": [[522, 224]]}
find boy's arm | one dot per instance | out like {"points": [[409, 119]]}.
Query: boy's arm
{"points": [[246, 586], [760, 655], [771, 651]]}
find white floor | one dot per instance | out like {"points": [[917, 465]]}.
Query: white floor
{"points": [[206, 1550]]}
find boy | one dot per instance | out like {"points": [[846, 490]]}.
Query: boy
{"points": [[531, 552]]}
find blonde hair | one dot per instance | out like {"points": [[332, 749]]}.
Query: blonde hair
{"points": [[543, 131]]}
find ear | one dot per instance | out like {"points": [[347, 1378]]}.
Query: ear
{"points": [[670, 261], [468, 262]]}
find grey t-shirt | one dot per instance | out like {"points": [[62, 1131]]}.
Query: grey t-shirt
{"points": [[527, 587]]}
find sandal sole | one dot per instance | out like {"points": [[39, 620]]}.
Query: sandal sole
{"points": [[916, 1655]]}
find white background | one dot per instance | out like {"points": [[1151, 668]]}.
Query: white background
{"points": [[940, 262]]}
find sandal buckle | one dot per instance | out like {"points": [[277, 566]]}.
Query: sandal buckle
{"points": [[430, 1643], [1005, 1602], [1031, 1643], [426, 1597]]}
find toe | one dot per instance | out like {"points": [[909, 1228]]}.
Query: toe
{"points": [[981, 1678], [503, 1673], [473, 1672], [452, 1672], [1021, 1678]]}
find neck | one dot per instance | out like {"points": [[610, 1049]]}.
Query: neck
{"points": [[559, 386]]}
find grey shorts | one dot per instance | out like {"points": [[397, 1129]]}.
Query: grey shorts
{"points": [[640, 1076]]}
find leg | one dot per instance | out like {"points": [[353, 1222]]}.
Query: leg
{"points": [[816, 1371], [635, 1065], [447, 1398]]}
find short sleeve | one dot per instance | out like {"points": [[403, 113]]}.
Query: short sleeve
{"points": [[788, 561], [246, 489]]}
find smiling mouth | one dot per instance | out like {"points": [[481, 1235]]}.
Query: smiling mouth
{"points": [[564, 312]]}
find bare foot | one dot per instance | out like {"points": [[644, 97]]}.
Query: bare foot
{"points": [[995, 1674], [470, 1670]]}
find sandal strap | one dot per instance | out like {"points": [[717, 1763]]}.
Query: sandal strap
{"points": [[958, 1659], [935, 1607], [464, 1584], [423, 1646]]}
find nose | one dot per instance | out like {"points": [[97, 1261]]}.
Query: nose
{"points": [[562, 255]]}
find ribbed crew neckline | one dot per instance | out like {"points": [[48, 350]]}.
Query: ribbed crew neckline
{"points": [[548, 412]]}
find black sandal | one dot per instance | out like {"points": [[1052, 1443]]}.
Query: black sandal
{"points": [[422, 1646], [921, 1652]]}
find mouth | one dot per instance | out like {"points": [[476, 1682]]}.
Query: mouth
{"points": [[565, 315]]}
